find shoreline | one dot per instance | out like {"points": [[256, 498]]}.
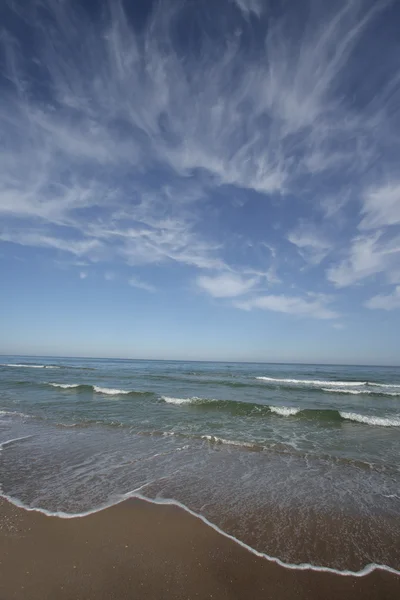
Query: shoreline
{"points": [[136, 496], [142, 549]]}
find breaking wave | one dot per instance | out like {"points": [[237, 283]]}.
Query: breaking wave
{"points": [[98, 390], [251, 409]]}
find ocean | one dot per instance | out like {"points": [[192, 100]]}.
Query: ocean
{"points": [[300, 463]]}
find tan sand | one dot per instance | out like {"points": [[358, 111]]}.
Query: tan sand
{"points": [[138, 550]]}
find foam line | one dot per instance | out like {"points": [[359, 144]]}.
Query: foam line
{"points": [[370, 568]]}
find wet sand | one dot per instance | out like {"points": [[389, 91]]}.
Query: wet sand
{"points": [[138, 550]]}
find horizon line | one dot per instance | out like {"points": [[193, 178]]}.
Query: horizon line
{"points": [[259, 362]]}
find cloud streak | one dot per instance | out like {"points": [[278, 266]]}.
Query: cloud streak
{"points": [[226, 285], [312, 306], [385, 302], [123, 140]]}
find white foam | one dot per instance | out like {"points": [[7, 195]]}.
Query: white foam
{"points": [[65, 386], [284, 411], [10, 413], [344, 391], [167, 501], [171, 400], [218, 440], [385, 385], [316, 382], [356, 392], [371, 420], [109, 391], [7, 442], [30, 366]]}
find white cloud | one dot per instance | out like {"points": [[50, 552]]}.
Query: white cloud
{"points": [[251, 6], [388, 302], [123, 102], [310, 243], [368, 255], [313, 306], [77, 247], [141, 285], [83, 275], [381, 206], [226, 285], [123, 151]]}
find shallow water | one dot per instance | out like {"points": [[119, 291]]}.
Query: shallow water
{"points": [[300, 462]]}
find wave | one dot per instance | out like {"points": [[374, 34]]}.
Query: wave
{"points": [[214, 439], [263, 410], [285, 411], [364, 392], [193, 400], [313, 382], [13, 440], [336, 387], [29, 366], [371, 419], [384, 385], [98, 390], [110, 391], [33, 366], [13, 413], [66, 386]]}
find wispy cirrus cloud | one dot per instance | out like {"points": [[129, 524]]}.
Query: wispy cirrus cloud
{"points": [[226, 285], [141, 285], [314, 306], [385, 302], [77, 247], [312, 245], [251, 6], [381, 206], [369, 255], [122, 140]]}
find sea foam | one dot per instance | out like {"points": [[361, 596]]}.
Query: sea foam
{"points": [[371, 419], [30, 366], [65, 386], [110, 391], [136, 493], [316, 382], [171, 400], [284, 411]]}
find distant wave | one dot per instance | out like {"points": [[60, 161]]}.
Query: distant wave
{"points": [[364, 391], [97, 389], [337, 387], [33, 366], [251, 409], [66, 386], [29, 366], [384, 385], [317, 382]]}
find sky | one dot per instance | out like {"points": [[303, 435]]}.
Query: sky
{"points": [[200, 180]]}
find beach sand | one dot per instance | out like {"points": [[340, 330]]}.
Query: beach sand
{"points": [[139, 550]]}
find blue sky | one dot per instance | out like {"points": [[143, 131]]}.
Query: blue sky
{"points": [[201, 180]]}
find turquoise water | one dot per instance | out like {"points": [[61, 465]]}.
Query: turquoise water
{"points": [[300, 462]]}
